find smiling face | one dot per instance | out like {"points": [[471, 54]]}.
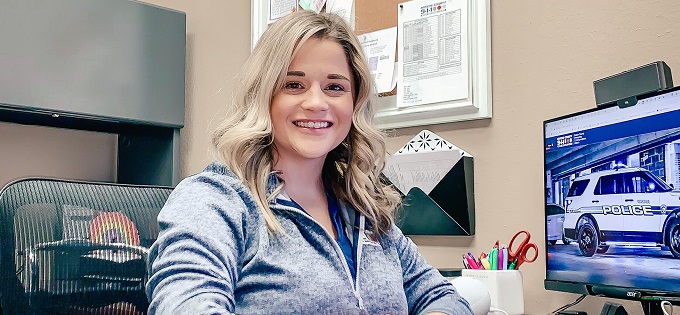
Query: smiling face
{"points": [[312, 113]]}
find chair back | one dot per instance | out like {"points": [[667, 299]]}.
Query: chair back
{"points": [[72, 247]]}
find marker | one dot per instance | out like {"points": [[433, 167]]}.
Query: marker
{"points": [[505, 257], [485, 263], [493, 256], [501, 257]]}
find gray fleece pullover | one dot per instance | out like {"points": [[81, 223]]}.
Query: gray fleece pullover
{"points": [[214, 255]]}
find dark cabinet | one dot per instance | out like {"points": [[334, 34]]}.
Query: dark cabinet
{"points": [[113, 66]]}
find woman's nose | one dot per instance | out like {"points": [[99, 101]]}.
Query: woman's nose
{"points": [[315, 99]]}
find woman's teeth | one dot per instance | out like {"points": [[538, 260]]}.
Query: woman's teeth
{"points": [[311, 124]]}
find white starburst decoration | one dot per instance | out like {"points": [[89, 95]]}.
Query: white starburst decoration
{"points": [[426, 141]]}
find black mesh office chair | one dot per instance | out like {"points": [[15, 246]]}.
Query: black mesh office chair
{"points": [[69, 247]]}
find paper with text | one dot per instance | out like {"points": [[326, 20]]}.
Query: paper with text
{"points": [[422, 162], [343, 8], [380, 48], [424, 171], [433, 52], [279, 9]]}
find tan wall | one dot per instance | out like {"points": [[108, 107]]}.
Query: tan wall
{"points": [[545, 56], [218, 42], [30, 151]]}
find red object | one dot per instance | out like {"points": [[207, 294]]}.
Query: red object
{"points": [[113, 227], [522, 249]]}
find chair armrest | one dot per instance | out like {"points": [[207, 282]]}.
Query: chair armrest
{"points": [[83, 244]]}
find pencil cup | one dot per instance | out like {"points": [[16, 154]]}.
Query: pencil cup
{"points": [[505, 288]]}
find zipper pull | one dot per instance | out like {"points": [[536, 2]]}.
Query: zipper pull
{"points": [[360, 301]]}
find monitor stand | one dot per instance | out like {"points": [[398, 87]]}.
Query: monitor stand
{"points": [[649, 307], [652, 307]]}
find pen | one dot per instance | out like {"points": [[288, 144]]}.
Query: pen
{"points": [[471, 261], [494, 258], [465, 263], [479, 263], [512, 264]]}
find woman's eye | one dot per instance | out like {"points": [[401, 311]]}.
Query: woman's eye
{"points": [[292, 85], [335, 88]]}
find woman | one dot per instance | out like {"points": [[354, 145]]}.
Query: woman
{"points": [[293, 217]]}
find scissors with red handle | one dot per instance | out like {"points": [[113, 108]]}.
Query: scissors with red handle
{"points": [[519, 256]]}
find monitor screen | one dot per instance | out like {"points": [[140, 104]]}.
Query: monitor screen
{"points": [[612, 180]]}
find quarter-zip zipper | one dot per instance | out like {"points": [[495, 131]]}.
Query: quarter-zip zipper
{"points": [[353, 284], [360, 247]]}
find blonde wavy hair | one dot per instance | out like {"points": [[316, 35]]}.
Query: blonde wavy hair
{"points": [[244, 140]]}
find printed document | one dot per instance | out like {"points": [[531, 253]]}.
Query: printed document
{"points": [[343, 8], [380, 48], [433, 52], [279, 9], [422, 162]]}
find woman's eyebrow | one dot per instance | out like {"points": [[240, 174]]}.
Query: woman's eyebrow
{"points": [[296, 73], [337, 76], [332, 76]]}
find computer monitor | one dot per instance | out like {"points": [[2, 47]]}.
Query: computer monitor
{"points": [[612, 179]]}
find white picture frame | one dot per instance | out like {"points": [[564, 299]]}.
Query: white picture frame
{"points": [[477, 106]]}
